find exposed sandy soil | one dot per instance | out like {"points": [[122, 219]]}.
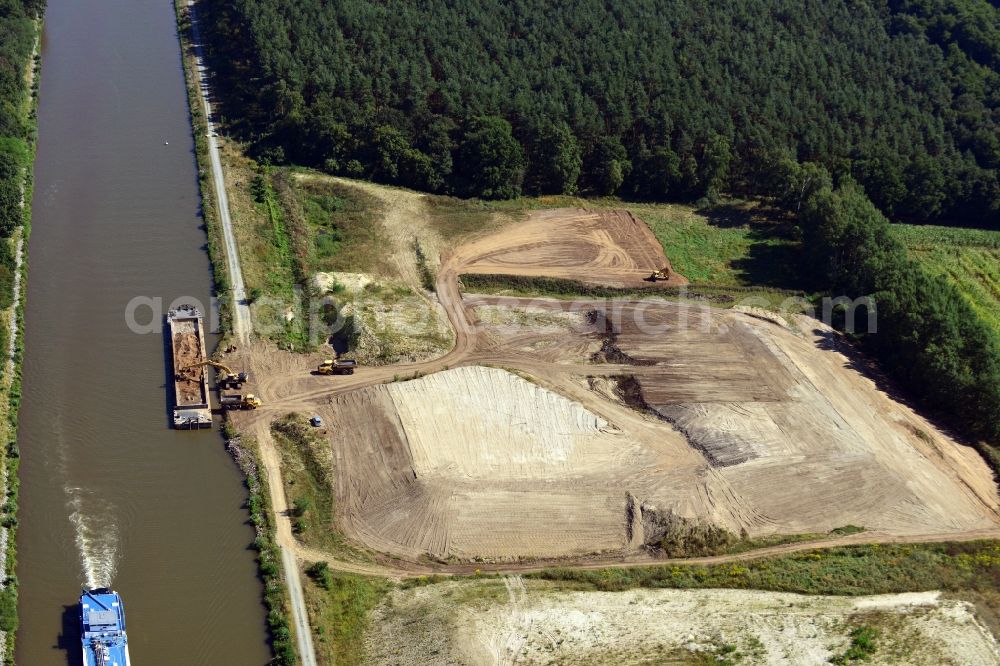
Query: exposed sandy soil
{"points": [[611, 248], [393, 326], [791, 437], [511, 621], [477, 464], [187, 351], [764, 426], [531, 474]]}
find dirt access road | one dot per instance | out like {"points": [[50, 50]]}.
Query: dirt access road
{"points": [[753, 401]]}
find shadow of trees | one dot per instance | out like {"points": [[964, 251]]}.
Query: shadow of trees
{"points": [[773, 257]]}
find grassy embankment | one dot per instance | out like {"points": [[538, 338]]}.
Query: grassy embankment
{"points": [[209, 213], [970, 258], [850, 570], [374, 252], [338, 603], [246, 455], [306, 462], [286, 235], [730, 253], [19, 153], [244, 452]]}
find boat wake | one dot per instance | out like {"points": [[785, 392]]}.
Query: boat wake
{"points": [[96, 540]]}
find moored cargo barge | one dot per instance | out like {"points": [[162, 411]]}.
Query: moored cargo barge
{"points": [[187, 344], [102, 628]]}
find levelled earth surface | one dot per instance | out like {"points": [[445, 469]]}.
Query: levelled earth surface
{"points": [[563, 429], [511, 621], [606, 247], [478, 463]]}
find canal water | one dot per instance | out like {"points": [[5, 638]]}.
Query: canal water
{"points": [[110, 495]]}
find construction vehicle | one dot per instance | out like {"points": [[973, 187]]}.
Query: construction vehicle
{"points": [[662, 274], [226, 379], [237, 401], [338, 366]]}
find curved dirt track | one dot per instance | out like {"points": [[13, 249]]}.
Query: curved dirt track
{"points": [[286, 386]]}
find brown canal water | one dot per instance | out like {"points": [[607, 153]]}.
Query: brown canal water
{"points": [[110, 495]]}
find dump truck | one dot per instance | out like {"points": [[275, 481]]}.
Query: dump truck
{"points": [[337, 366], [226, 377], [237, 401]]}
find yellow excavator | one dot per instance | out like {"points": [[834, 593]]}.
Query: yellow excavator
{"points": [[662, 274], [226, 378], [248, 401]]}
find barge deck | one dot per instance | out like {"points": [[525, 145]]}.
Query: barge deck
{"points": [[192, 409]]}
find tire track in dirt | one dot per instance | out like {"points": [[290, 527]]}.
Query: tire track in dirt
{"points": [[413, 570]]}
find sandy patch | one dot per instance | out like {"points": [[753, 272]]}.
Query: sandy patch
{"points": [[477, 463], [524, 622]]}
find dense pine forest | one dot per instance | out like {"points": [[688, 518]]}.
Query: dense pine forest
{"points": [[654, 99]]}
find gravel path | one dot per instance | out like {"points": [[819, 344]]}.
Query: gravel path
{"points": [[241, 311]]}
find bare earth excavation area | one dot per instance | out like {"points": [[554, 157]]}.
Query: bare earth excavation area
{"points": [[478, 463], [611, 248], [597, 423], [511, 621]]}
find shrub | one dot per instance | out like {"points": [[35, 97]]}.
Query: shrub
{"points": [[320, 573]]}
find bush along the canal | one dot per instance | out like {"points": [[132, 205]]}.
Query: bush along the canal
{"points": [[244, 452], [20, 29]]}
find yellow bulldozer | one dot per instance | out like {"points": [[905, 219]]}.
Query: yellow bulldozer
{"points": [[226, 377], [662, 274]]}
